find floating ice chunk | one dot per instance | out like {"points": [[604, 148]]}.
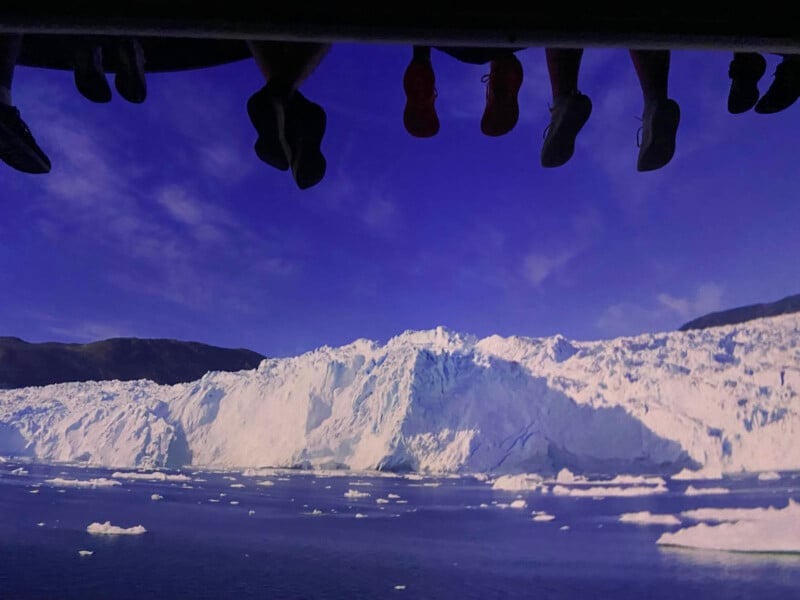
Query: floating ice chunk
{"points": [[769, 476], [483, 505], [214, 500], [567, 476], [514, 483], [237, 485], [401, 501], [637, 480], [266, 483], [381, 501], [765, 530], [82, 483], [393, 496], [399, 587], [36, 491], [108, 529], [361, 516], [563, 528], [648, 518], [85, 552], [40, 524], [19, 471], [327, 487], [222, 494], [729, 514], [150, 476], [693, 491], [431, 484], [540, 515], [355, 494], [234, 502], [156, 497], [360, 483], [251, 513], [316, 512], [519, 503], [603, 491], [705, 473], [229, 478]]}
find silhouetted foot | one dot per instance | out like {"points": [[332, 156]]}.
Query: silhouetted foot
{"points": [[567, 116], [659, 128], [90, 77], [130, 81], [502, 86], [745, 71], [304, 130], [785, 88], [18, 149], [267, 112], [419, 116]]}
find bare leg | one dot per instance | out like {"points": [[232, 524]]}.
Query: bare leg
{"points": [[563, 65], [652, 68], [286, 65], [10, 46]]}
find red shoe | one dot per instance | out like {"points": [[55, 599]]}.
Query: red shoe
{"points": [[502, 86], [419, 84]]}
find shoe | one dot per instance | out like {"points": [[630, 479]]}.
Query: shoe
{"points": [[18, 149], [659, 128], [130, 81], [568, 115], [785, 88], [419, 115], [305, 128], [267, 112], [502, 86], [745, 72], [90, 77]]}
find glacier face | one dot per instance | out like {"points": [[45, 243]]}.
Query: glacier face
{"points": [[438, 401]]}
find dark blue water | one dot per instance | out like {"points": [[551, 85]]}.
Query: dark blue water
{"points": [[440, 545]]}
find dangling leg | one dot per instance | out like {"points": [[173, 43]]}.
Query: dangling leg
{"points": [[130, 79], [570, 109], [785, 88], [661, 114], [89, 74], [503, 82], [290, 127], [18, 149], [745, 71], [419, 84]]}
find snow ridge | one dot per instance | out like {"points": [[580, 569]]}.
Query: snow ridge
{"points": [[722, 399]]}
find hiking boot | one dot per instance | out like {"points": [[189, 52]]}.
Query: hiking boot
{"points": [[130, 81], [304, 130], [90, 77], [567, 116], [659, 128], [502, 86], [419, 115], [785, 88], [18, 149], [267, 112], [745, 70]]}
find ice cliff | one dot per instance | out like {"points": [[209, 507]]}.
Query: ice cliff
{"points": [[723, 398]]}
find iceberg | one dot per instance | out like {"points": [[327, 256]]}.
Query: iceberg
{"points": [[769, 476], [519, 503], [713, 401], [604, 491], [648, 518], [154, 476], [709, 491], [108, 529], [761, 530], [355, 494], [82, 483]]}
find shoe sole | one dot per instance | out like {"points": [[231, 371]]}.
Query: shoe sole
{"points": [[421, 120], [20, 156], [305, 128], [569, 131], [662, 149], [93, 86]]}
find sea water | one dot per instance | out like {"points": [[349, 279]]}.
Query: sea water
{"points": [[305, 535]]}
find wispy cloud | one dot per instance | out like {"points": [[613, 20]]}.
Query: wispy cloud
{"points": [[664, 312]]}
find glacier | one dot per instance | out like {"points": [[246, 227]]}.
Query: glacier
{"points": [[721, 399]]}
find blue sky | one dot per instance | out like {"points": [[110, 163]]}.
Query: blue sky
{"points": [[158, 220]]}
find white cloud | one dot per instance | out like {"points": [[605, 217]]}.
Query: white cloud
{"points": [[538, 267], [662, 314]]}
